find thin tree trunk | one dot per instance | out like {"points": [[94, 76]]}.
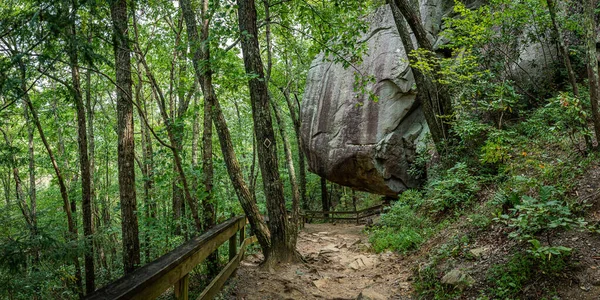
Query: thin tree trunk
{"points": [[207, 163], [6, 186], [177, 158], [126, 148], [280, 124], [562, 47], [592, 62], [302, 170], [61, 183], [202, 70], [434, 98], [32, 187], [84, 162], [282, 247], [20, 195], [324, 198]]}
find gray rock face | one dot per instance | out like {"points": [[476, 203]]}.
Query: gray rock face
{"points": [[366, 145], [352, 140]]}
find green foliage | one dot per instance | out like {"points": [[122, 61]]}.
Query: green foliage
{"points": [[402, 227], [427, 284], [456, 188], [480, 221], [506, 280], [533, 215], [546, 253], [509, 278]]}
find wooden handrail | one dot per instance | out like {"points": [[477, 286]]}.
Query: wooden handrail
{"points": [[344, 212], [173, 268], [367, 212]]}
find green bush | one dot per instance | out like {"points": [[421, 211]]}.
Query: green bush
{"points": [[533, 216], [454, 189], [402, 227], [506, 280]]}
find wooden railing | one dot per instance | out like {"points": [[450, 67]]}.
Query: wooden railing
{"points": [[173, 268], [357, 215]]}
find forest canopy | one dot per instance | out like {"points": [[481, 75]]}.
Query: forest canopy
{"points": [[129, 127]]}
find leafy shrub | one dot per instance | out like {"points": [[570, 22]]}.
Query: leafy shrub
{"points": [[479, 220], [455, 189], [506, 280], [396, 239], [403, 229], [533, 216]]}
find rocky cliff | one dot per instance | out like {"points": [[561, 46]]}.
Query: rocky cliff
{"points": [[367, 145], [352, 140]]}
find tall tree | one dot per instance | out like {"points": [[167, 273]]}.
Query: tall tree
{"points": [[434, 97], [592, 61], [282, 244], [281, 125], [126, 150], [84, 162], [562, 47], [32, 185], [203, 71]]}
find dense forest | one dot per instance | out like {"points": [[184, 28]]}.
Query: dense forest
{"points": [[130, 127]]}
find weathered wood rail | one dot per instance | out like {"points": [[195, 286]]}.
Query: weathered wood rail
{"points": [[357, 215], [173, 268]]}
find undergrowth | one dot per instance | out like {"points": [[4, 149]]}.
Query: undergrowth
{"points": [[520, 177]]}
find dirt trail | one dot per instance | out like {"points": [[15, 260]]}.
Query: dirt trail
{"points": [[340, 265]]}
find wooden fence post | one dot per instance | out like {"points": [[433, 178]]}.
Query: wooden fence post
{"points": [[182, 288], [242, 235], [232, 246]]}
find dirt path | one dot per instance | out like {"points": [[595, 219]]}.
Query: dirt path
{"points": [[340, 265]]}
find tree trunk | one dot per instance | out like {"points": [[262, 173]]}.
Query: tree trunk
{"points": [[61, 183], [281, 125], [562, 47], [126, 149], [302, 171], [84, 162], [208, 174], [6, 186], [592, 62], [147, 165], [282, 247], [202, 70], [324, 198], [32, 188], [434, 98], [20, 195]]}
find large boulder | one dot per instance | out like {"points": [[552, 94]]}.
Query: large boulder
{"points": [[367, 145], [357, 142]]}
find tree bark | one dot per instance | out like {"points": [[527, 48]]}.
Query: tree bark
{"points": [[324, 198], [302, 170], [434, 98], [20, 195], [84, 162], [202, 70], [147, 164], [281, 125], [61, 183], [282, 246], [592, 62], [562, 47], [32, 187], [126, 149]]}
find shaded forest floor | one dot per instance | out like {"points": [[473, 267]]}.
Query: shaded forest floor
{"points": [[339, 265]]}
